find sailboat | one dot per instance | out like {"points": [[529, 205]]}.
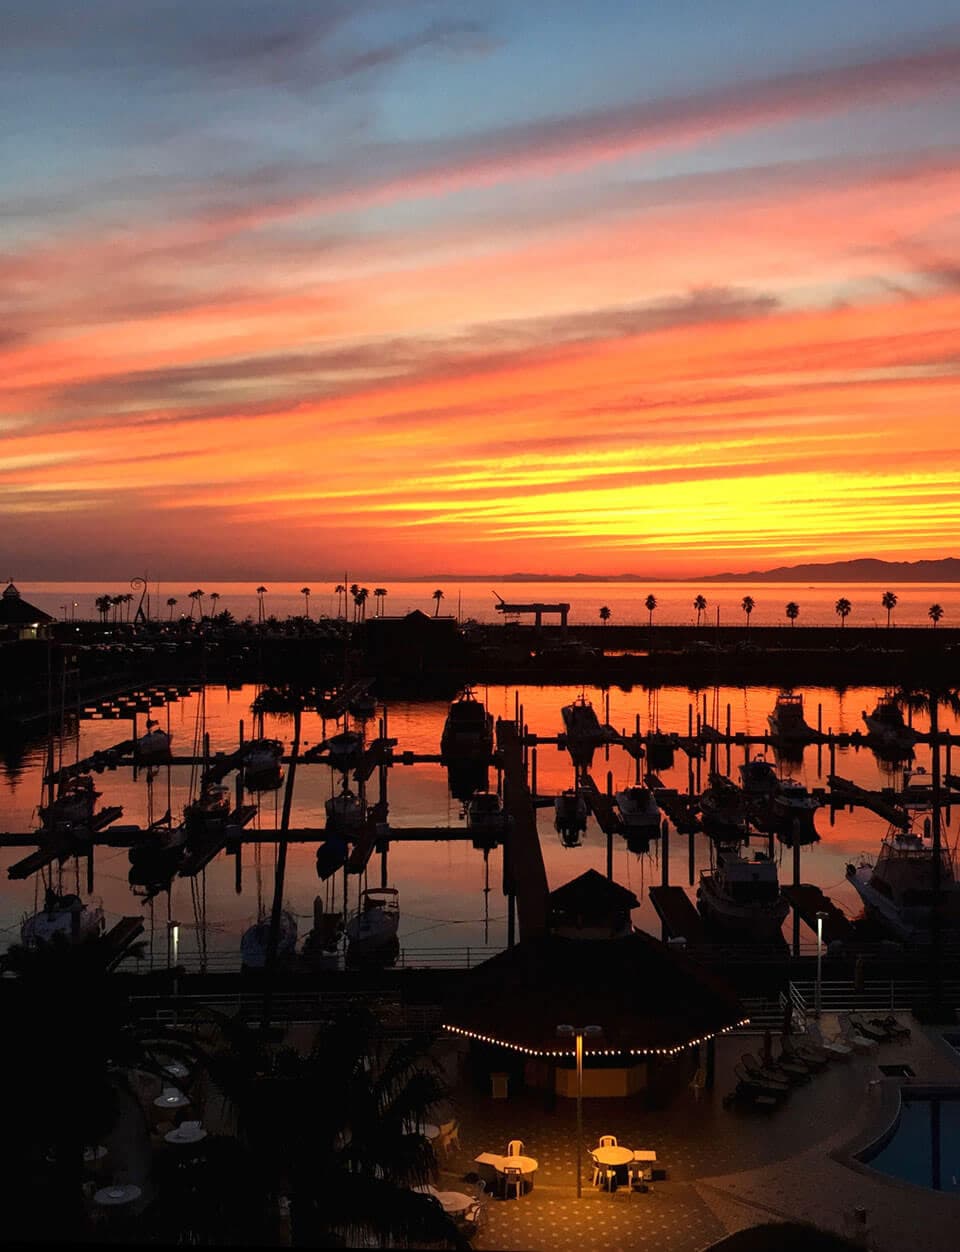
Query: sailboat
{"points": [[64, 915], [372, 931], [74, 806], [254, 941], [153, 744], [467, 732]]}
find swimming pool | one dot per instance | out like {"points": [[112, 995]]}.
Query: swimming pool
{"points": [[923, 1145]]}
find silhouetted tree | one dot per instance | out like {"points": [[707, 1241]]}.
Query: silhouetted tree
{"points": [[305, 592], [748, 604], [792, 610], [363, 595], [438, 596], [889, 602], [935, 612], [700, 604], [261, 592], [340, 590], [196, 598], [103, 605], [651, 604], [842, 609], [171, 601], [604, 615], [214, 597], [379, 593]]}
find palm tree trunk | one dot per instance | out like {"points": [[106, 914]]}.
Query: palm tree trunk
{"points": [[936, 930], [273, 937]]}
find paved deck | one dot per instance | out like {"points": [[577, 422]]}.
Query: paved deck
{"points": [[726, 1168]]}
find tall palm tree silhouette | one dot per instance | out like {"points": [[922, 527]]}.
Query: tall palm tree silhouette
{"points": [[748, 604], [438, 596], [379, 593], [103, 604], [889, 602], [171, 601], [261, 592], [651, 604], [340, 590], [843, 608], [700, 604], [214, 599], [362, 596], [792, 610], [935, 612], [197, 599], [305, 592]]}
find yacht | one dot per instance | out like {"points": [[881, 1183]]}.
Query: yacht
{"points": [[917, 790], [722, 809], [570, 817], [255, 940], [209, 811], [886, 726], [372, 931], [794, 808], [758, 777], [321, 945], [743, 895], [485, 816], [639, 811], [331, 856], [897, 885], [262, 770], [65, 915], [344, 811], [345, 749], [74, 805], [786, 721], [158, 859], [153, 744], [363, 706], [467, 732], [660, 749]]}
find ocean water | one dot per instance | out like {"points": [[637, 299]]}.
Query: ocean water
{"points": [[442, 898], [478, 600]]}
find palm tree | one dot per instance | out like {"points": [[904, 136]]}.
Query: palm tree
{"points": [[355, 595], [700, 604], [792, 610], [171, 601], [651, 603], [103, 604], [305, 592], [438, 596], [935, 612], [214, 597], [842, 609], [116, 601], [604, 615], [197, 598], [379, 593], [748, 604], [127, 599], [340, 590], [261, 592], [363, 596], [889, 602]]}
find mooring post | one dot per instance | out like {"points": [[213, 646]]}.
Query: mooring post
{"points": [[833, 751], [383, 862], [238, 869], [689, 721], [690, 867], [796, 906], [533, 772], [665, 853], [90, 871]]}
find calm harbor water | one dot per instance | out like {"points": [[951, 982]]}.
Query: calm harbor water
{"points": [[477, 600], [441, 884]]}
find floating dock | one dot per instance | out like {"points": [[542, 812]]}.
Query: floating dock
{"points": [[679, 915]]}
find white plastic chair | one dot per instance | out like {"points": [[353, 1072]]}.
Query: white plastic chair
{"points": [[515, 1147], [512, 1177], [608, 1141]]}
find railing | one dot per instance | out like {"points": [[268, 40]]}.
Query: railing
{"points": [[881, 995], [393, 1016], [228, 961]]}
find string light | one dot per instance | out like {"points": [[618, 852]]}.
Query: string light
{"points": [[519, 1047]]}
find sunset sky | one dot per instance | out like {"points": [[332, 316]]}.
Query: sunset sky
{"points": [[411, 286]]}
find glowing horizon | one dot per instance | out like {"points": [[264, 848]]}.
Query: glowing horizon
{"points": [[671, 294]]}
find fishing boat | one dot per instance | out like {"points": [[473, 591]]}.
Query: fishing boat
{"points": [[468, 730], [794, 807], [722, 809], [485, 815], [743, 895], [917, 789], [897, 886], [344, 811], [758, 777], [255, 940], [74, 806], [344, 750], [153, 744], [64, 915], [570, 817], [583, 730], [372, 931], [886, 727], [209, 811], [639, 811], [262, 769], [787, 722]]}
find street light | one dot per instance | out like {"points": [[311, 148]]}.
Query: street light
{"points": [[579, 1033], [821, 918]]}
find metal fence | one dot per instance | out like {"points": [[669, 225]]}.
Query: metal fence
{"points": [[878, 995], [393, 1016], [220, 961]]}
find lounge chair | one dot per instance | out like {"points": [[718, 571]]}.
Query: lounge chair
{"points": [[792, 1072], [758, 1072], [794, 1050], [835, 1049], [867, 1030], [761, 1085], [752, 1097], [894, 1028]]}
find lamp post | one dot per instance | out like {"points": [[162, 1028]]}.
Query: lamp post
{"points": [[820, 920], [579, 1033]]}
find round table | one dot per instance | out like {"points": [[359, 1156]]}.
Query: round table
{"points": [[526, 1164], [612, 1156], [454, 1201], [181, 1136], [121, 1194], [171, 1100], [176, 1069]]}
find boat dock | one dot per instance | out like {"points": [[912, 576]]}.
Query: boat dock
{"points": [[679, 808], [525, 875], [678, 914], [807, 901], [844, 792], [119, 939]]}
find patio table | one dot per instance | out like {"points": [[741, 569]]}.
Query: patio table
{"points": [[184, 1134], [171, 1099], [454, 1201], [612, 1156], [121, 1194]]}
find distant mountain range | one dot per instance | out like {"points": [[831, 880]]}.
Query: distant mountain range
{"points": [[862, 570]]}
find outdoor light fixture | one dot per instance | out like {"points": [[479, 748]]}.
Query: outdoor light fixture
{"points": [[821, 917], [579, 1033]]}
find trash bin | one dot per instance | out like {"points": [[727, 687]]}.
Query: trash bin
{"points": [[498, 1086]]}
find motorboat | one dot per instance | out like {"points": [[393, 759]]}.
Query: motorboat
{"points": [[570, 816], [743, 895], [363, 706], [321, 946], [886, 727], [787, 722], [344, 750], [583, 730], [64, 915], [917, 789], [486, 819], [255, 940], [345, 811], [660, 750], [373, 928], [468, 730], [794, 807], [157, 859], [262, 768], [639, 811], [154, 744], [897, 886], [74, 806], [722, 809], [209, 811], [758, 777]]}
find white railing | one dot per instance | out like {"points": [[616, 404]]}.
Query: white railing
{"points": [[227, 961], [881, 995]]}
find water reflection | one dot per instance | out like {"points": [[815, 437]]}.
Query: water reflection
{"points": [[441, 884]]}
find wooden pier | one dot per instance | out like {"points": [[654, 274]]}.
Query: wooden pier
{"points": [[678, 914], [524, 869], [808, 901], [844, 792]]}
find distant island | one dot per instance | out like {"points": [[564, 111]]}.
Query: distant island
{"points": [[862, 570]]}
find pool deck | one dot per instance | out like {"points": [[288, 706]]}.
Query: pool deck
{"points": [[726, 1168]]}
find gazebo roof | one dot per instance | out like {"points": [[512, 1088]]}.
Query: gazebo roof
{"points": [[592, 893], [648, 998], [15, 611]]}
